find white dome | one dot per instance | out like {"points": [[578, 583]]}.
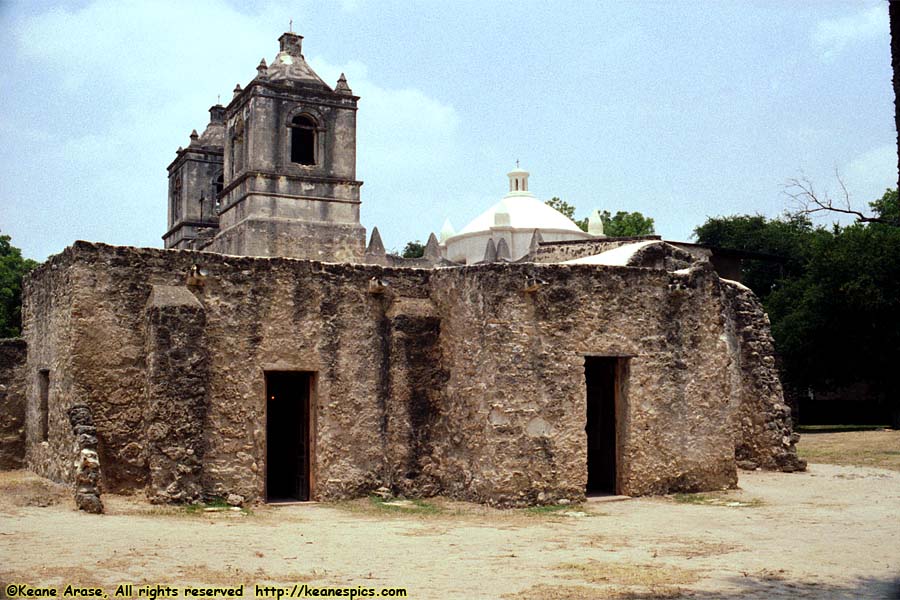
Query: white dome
{"points": [[511, 224], [525, 212]]}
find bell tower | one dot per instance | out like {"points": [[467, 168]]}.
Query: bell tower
{"points": [[195, 181], [289, 177]]}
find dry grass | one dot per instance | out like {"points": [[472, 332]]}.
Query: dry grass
{"points": [[205, 575], [855, 448], [696, 548], [186, 575], [440, 509], [646, 576], [581, 592]]}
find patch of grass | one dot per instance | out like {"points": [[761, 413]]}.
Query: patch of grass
{"points": [[879, 449], [694, 548], [404, 506], [692, 498], [715, 500], [549, 509], [838, 428]]}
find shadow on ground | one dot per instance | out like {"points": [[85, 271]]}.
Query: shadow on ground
{"points": [[782, 587], [748, 587]]}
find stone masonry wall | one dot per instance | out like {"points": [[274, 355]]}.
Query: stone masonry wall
{"points": [[763, 426], [12, 403], [176, 405], [454, 381], [516, 391], [50, 313]]}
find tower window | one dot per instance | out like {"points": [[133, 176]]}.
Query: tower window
{"points": [[176, 197], [303, 140], [219, 186]]}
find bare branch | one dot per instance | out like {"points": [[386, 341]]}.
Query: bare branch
{"points": [[808, 201]]}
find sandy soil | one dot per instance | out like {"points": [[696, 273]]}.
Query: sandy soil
{"points": [[829, 533]]}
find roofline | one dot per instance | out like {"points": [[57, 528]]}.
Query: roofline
{"points": [[531, 230]]}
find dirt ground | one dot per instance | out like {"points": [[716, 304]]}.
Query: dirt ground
{"points": [[831, 532]]}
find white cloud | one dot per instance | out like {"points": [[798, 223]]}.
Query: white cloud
{"points": [[404, 139], [123, 82], [396, 126], [831, 36], [869, 174]]}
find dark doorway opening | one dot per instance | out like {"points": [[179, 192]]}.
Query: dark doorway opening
{"points": [[287, 436], [601, 379]]}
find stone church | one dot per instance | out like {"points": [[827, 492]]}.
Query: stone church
{"points": [[269, 353]]}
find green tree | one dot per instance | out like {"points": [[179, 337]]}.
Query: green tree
{"points": [[833, 296], [13, 268], [887, 208], [626, 224], [837, 324], [787, 240], [561, 206], [414, 249], [622, 224]]}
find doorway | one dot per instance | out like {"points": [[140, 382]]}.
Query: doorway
{"points": [[601, 379], [288, 436]]}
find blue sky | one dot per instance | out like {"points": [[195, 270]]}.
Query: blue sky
{"points": [[680, 110]]}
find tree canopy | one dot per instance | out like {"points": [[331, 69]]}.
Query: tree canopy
{"points": [[833, 298], [414, 249], [787, 240], [622, 224], [626, 224], [13, 268]]}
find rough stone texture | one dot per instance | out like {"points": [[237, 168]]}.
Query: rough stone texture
{"points": [[87, 463], [765, 435], [175, 409], [12, 403], [53, 316], [450, 380], [516, 364], [552, 252]]}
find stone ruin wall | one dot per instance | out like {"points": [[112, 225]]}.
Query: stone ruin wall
{"points": [[51, 310], [763, 424], [260, 314], [555, 252], [517, 380], [448, 381], [12, 403]]}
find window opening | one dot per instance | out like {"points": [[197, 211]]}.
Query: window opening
{"points": [[303, 140]]}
